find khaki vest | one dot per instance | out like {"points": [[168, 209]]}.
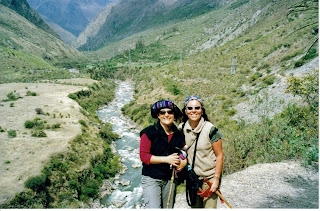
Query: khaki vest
{"points": [[205, 162]]}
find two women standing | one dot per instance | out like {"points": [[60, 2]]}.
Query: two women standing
{"points": [[158, 151]]}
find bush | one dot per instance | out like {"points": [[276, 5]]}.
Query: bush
{"points": [[36, 183], [55, 126], [29, 93], [83, 123], [268, 80], [39, 111], [28, 124], [39, 133], [90, 189], [12, 96], [12, 133]]}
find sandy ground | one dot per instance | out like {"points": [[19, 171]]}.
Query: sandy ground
{"points": [[24, 155]]}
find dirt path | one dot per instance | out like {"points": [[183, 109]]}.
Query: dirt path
{"points": [[24, 155], [273, 185]]}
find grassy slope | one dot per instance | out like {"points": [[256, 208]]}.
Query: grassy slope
{"points": [[24, 47]]}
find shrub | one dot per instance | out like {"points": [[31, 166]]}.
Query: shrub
{"points": [[39, 133], [268, 80], [36, 183], [39, 111], [29, 93], [55, 126], [11, 104], [12, 133], [90, 189], [72, 96], [12, 96], [28, 124], [1, 130], [83, 123]]}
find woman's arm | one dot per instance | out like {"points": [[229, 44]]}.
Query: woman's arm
{"points": [[217, 148], [172, 159], [147, 158]]}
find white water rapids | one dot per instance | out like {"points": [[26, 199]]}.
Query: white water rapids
{"points": [[124, 196]]}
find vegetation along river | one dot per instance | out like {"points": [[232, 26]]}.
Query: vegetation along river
{"points": [[129, 191]]}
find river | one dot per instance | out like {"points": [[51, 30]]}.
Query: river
{"points": [[125, 196]]}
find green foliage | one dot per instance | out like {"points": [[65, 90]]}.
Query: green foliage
{"points": [[56, 126], [28, 124], [90, 189], [12, 96], [38, 133], [307, 87], [255, 76], [268, 80], [12, 133], [106, 133], [36, 183], [138, 113], [83, 123], [29, 93], [283, 138], [1, 130]]}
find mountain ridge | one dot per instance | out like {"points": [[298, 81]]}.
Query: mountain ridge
{"points": [[23, 8], [72, 16], [128, 17]]}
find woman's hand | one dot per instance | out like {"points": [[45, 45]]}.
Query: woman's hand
{"points": [[173, 159], [215, 185], [183, 163]]}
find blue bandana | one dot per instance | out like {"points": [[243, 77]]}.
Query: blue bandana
{"points": [[193, 97]]}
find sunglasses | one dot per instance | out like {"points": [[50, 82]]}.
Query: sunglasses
{"points": [[164, 112], [196, 108]]}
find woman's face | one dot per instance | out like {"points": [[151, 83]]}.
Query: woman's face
{"points": [[194, 110], [166, 116]]}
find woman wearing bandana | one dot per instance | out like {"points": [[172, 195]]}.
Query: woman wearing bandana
{"points": [[209, 155], [158, 153]]}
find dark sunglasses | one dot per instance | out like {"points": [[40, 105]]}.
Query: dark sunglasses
{"points": [[164, 112], [196, 108]]}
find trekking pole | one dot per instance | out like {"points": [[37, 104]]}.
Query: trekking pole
{"points": [[224, 199], [218, 193], [172, 178]]}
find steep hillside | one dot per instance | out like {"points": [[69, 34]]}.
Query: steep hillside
{"points": [[128, 17], [65, 35], [27, 51], [22, 8], [73, 16]]}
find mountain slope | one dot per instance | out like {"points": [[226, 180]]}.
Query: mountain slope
{"points": [[22, 8], [72, 16], [128, 17], [24, 48]]}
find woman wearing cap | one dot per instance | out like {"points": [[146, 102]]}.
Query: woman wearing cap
{"points": [[158, 152], [209, 154]]}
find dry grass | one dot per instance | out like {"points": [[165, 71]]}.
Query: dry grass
{"points": [[24, 155]]}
